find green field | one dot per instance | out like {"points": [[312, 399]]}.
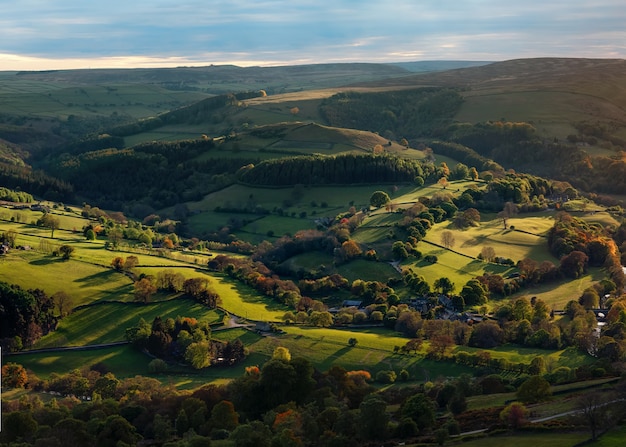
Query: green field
{"points": [[81, 329], [558, 439]]}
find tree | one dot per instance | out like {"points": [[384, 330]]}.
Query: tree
{"points": [[49, 221], [352, 342], [14, 376], [131, 262], [118, 263], [198, 355], [468, 218], [447, 239], [224, 416], [351, 249], [115, 236], [373, 417], [509, 210], [534, 389], [514, 414], [64, 303], [379, 198], [399, 250], [488, 254], [144, 289], [574, 265], [66, 251], [444, 285], [193, 287], [474, 293], [594, 412], [473, 173], [439, 346], [589, 299], [420, 409], [281, 353]]}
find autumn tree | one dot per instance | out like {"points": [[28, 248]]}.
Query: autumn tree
{"points": [[144, 289], [473, 173], [118, 263], [574, 265], [14, 376], [468, 218], [131, 262], [447, 239], [440, 345], [193, 287], [351, 249]]}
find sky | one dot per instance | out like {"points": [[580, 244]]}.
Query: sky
{"points": [[55, 34]]}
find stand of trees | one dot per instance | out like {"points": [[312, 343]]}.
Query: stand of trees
{"points": [[25, 315], [335, 170]]}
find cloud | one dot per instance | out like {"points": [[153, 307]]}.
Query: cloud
{"points": [[279, 31]]}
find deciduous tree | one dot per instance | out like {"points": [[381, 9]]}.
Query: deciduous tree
{"points": [[447, 239]]}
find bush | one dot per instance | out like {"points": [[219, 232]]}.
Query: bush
{"points": [[157, 366], [432, 259], [386, 376]]}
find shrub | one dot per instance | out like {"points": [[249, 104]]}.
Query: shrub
{"points": [[386, 376], [157, 366], [432, 259]]}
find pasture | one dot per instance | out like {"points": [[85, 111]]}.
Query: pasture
{"points": [[55, 99], [107, 322], [558, 439]]}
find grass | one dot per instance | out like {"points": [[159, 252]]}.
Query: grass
{"points": [[80, 328], [125, 361], [551, 439], [84, 282], [326, 347], [613, 438]]}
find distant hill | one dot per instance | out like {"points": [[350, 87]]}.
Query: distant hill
{"points": [[430, 66], [219, 79]]}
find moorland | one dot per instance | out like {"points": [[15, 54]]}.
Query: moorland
{"points": [[341, 254]]}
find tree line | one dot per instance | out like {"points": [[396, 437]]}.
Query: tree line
{"points": [[338, 170]]}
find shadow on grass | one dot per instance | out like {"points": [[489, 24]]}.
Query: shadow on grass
{"points": [[46, 261], [100, 278]]}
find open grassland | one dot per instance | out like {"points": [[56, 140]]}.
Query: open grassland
{"points": [[570, 357], [526, 241], [557, 294], [56, 99], [124, 361], [371, 270], [374, 352], [458, 268], [84, 282], [107, 322]]}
